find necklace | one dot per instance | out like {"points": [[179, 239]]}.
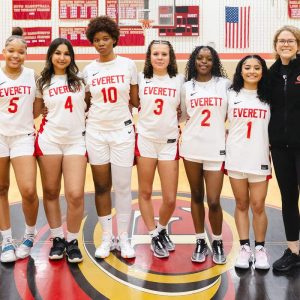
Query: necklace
{"points": [[12, 75]]}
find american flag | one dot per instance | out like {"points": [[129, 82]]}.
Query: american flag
{"points": [[237, 23]]}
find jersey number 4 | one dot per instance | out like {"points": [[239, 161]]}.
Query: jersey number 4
{"points": [[69, 104]]}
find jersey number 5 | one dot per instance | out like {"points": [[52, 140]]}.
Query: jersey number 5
{"points": [[69, 104], [159, 108], [13, 106]]}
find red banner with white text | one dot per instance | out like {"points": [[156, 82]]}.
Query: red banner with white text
{"points": [[294, 9], [76, 35], [37, 36], [31, 9], [78, 9]]}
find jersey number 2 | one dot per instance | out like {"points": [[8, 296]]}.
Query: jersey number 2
{"points": [[205, 122], [69, 104]]}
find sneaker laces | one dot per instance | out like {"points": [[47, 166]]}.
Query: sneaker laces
{"points": [[158, 242], [199, 245], [8, 244]]}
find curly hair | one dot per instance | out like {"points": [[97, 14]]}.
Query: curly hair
{"points": [[262, 86], [217, 67], [295, 31], [104, 24], [172, 67], [74, 82]]}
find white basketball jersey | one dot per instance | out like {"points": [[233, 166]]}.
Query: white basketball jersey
{"points": [[16, 103], [247, 145], [205, 103], [159, 99], [65, 121], [109, 84]]}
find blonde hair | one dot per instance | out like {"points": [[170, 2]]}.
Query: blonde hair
{"points": [[15, 37], [295, 31]]}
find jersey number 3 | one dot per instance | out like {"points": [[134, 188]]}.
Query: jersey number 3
{"points": [[159, 106]]}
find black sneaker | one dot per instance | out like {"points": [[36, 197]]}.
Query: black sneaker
{"points": [[58, 249], [73, 252], [219, 257], [201, 251], [287, 261], [158, 248], [168, 244]]}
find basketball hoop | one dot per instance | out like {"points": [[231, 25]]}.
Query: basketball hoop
{"points": [[146, 24]]}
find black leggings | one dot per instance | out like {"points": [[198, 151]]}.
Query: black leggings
{"points": [[286, 163]]}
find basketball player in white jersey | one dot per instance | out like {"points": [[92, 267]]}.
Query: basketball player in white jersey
{"points": [[17, 98], [248, 157], [204, 100], [111, 84], [157, 140], [60, 146]]}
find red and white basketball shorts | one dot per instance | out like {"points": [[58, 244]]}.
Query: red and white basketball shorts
{"points": [[208, 165], [116, 147], [45, 147], [145, 147], [17, 145]]}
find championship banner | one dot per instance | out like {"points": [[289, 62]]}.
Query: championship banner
{"points": [[31, 9], [78, 9], [112, 9], [37, 36], [131, 36], [294, 8], [76, 35]]}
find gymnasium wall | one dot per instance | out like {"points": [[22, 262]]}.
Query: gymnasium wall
{"points": [[266, 16]]}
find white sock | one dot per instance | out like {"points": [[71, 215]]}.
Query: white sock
{"points": [[30, 230], [106, 224], [160, 227], [201, 236], [71, 236], [217, 237], [153, 233], [57, 232], [6, 235], [121, 181]]}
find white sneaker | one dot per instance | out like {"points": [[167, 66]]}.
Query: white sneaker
{"points": [[107, 245], [8, 251], [123, 245], [23, 250], [244, 257], [261, 258]]}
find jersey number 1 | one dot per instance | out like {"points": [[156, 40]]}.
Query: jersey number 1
{"points": [[249, 126]]}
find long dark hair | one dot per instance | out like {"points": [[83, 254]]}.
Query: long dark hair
{"points": [[74, 81], [263, 87], [217, 67], [172, 67]]}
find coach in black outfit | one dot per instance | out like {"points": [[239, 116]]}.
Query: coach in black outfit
{"points": [[284, 133]]}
